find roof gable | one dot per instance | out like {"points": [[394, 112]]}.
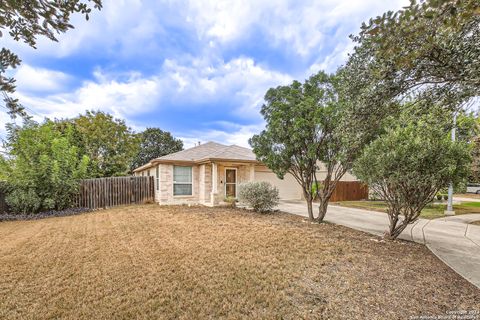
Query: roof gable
{"points": [[207, 151]]}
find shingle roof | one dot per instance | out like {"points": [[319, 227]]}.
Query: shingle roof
{"points": [[205, 152]]}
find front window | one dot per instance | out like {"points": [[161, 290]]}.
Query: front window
{"points": [[182, 181]]}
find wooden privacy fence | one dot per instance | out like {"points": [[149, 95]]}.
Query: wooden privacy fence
{"points": [[110, 192], [3, 203], [349, 191]]}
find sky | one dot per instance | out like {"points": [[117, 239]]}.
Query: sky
{"points": [[198, 69]]}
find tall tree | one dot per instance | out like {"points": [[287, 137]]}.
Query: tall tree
{"points": [[42, 168], [25, 20], [155, 143], [411, 161], [429, 49], [302, 131], [475, 141], [108, 142]]}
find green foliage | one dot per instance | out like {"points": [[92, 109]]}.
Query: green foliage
{"points": [[316, 187], [43, 168], [261, 196], [25, 21], [430, 49], [475, 141], [155, 143], [232, 201], [302, 122], [410, 162], [23, 201], [110, 145]]}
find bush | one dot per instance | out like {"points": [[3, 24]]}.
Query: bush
{"points": [[43, 168], [23, 201], [411, 162], [460, 187], [261, 196], [231, 201], [439, 196]]}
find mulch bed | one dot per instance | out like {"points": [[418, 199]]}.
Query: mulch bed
{"points": [[43, 215]]}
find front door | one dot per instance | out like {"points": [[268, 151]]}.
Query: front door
{"points": [[230, 183]]}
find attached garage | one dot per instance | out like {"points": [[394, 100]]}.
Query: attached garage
{"points": [[209, 173], [289, 189]]}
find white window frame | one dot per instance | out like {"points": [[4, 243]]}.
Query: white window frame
{"points": [[173, 179], [157, 177], [236, 181]]}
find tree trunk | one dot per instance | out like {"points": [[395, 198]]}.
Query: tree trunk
{"points": [[394, 229], [322, 209], [309, 199], [310, 209]]}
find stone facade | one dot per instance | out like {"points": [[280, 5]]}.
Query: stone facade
{"points": [[202, 182]]}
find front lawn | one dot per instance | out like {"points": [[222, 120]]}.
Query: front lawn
{"points": [[431, 211], [156, 262]]}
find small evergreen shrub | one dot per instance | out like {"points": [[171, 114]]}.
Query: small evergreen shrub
{"points": [[261, 196]]}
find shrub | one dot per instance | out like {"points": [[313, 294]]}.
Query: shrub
{"points": [[231, 201], [410, 163], [43, 168], [439, 196], [261, 196], [23, 201]]}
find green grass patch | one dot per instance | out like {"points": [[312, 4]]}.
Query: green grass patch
{"points": [[431, 211]]}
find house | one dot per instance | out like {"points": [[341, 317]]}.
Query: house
{"points": [[208, 173]]}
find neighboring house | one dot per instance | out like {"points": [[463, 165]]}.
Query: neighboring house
{"points": [[210, 172]]}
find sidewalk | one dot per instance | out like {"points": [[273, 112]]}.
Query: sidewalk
{"points": [[455, 243], [465, 199]]}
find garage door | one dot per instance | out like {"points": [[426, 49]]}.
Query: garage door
{"points": [[288, 187]]}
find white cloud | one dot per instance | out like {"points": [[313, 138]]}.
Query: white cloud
{"points": [[238, 136], [133, 27], [122, 27], [313, 33], [240, 81], [223, 20], [335, 59], [124, 98], [301, 26], [39, 79]]}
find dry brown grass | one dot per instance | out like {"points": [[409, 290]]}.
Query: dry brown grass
{"points": [[203, 263]]}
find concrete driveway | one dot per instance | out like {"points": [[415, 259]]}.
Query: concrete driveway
{"points": [[455, 243]]}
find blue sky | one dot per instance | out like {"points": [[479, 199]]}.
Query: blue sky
{"points": [[196, 68]]}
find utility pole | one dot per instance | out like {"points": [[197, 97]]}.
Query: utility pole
{"points": [[450, 211]]}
